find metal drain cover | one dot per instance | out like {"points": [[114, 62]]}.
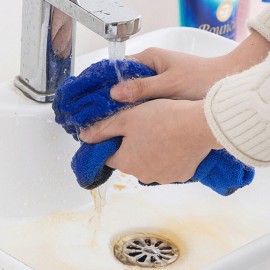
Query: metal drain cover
{"points": [[146, 251]]}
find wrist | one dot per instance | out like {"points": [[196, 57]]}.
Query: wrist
{"points": [[220, 67], [252, 51], [202, 128]]}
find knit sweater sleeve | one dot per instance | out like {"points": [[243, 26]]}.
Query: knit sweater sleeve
{"points": [[237, 109]]}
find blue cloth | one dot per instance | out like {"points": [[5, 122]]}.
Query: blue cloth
{"points": [[81, 101], [221, 172]]}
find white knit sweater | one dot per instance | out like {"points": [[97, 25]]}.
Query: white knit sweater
{"points": [[237, 108]]}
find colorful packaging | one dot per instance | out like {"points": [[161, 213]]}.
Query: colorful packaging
{"points": [[216, 16]]}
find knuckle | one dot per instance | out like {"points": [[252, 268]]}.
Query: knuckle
{"points": [[93, 133], [152, 51], [90, 137], [138, 90], [185, 177], [161, 182], [139, 86], [121, 121], [96, 129], [157, 57], [145, 178]]}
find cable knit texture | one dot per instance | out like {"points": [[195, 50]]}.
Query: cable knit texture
{"points": [[262, 23], [237, 109]]}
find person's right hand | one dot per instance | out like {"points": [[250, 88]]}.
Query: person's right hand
{"points": [[189, 77], [180, 76]]}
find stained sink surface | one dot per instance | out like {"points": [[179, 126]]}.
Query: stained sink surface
{"points": [[52, 225]]}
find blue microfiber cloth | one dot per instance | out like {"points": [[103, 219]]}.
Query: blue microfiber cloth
{"points": [[81, 101], [221, 172]]}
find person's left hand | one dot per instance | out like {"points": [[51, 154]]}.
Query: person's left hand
{"points": [[164, 141]]}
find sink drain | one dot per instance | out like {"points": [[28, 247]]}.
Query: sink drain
{"points": [[143, 251]]}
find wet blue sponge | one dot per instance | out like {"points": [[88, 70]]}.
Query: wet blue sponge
{"points": [[81, 101]]}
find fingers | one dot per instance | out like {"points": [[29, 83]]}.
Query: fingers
{"points": [[138, 89], [145, 88], [112, 127], [114, 161], [152, 57]]}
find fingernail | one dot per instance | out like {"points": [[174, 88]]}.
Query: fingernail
{"points": [[117, 93]]}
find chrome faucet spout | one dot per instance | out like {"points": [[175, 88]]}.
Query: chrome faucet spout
{"points": [[48, 39]]}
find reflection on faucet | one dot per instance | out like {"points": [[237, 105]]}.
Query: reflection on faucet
{"points": [[59, 48], [61, 33], [48, 35]]}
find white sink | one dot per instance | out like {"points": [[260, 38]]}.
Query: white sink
{"points": [[45, 216], [35, 175]]}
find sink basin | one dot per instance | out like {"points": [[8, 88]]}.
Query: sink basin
{"points": [[35, 175], [48, 222]]}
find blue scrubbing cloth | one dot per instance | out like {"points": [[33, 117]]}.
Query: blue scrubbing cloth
{"points": [[84, 100], [221, 172], [81, 101]]}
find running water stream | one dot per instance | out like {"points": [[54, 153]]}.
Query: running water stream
{"points": [[117, 51], [99, 198]]}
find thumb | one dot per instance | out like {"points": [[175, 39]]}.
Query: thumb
{"points": [[105, 129], [142, 88]]}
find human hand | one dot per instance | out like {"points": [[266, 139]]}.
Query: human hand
{"points": [[180, 76], [189, 77], [164, 140], [81, 101]]}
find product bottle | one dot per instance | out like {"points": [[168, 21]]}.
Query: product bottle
{"points": [[217, 16]]}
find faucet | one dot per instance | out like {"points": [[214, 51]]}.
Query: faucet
{"points": [[48, 39]]}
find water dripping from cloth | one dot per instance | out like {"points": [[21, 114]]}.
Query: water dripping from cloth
{"points": [[117, 51], [99, 198]]}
